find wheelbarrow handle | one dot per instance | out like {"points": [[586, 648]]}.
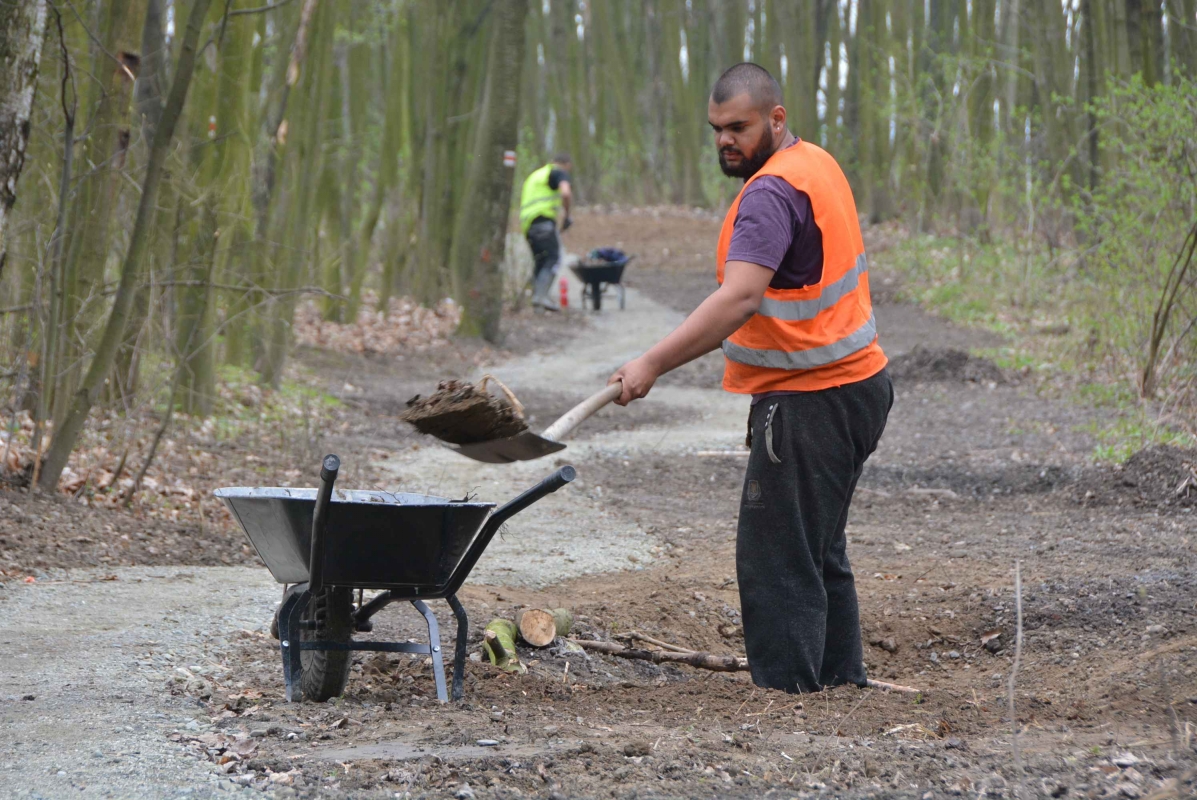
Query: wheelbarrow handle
{"points": [[501, 515], [537, 492], [328, 476]]}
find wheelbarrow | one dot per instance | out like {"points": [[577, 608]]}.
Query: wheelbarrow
{"points": [[412, 547], [597, 275]]}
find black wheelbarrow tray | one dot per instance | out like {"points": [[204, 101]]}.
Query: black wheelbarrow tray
{"points": [[596, 274], [413, 547]]}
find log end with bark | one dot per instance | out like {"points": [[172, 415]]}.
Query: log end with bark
{"points": [[539, 627]]}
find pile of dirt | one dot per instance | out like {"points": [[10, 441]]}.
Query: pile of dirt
{"points": [[943, 364], [1162, 475], [464, 413]]}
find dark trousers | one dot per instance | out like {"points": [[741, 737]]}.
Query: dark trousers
{"points": [[797, 593], [546, 247]]}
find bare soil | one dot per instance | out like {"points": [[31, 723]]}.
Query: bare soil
{"points": [[978, 471], [943, 364]]}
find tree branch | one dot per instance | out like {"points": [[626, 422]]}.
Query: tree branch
{"points": [[259, 9]]}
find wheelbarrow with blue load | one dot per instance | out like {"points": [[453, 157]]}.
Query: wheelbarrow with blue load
{"points": [[600, 270]]}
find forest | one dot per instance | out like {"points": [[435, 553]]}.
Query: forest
{"points": [[180, 178]]}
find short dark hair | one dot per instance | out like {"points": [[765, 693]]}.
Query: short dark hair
{"points": [[562, 158], [750, 79]]}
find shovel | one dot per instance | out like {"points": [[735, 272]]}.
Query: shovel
{"points": [[527, 445]]}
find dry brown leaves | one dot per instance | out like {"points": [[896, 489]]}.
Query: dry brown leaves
{"points": [[405, 326]]}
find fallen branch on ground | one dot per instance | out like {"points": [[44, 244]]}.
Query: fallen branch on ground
{"points": [[1018, 787], [703, 660], [698, 659], [893, 687], [663, 645]]}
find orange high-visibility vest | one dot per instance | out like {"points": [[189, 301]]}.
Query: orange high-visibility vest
{"points": [[822, 335]]}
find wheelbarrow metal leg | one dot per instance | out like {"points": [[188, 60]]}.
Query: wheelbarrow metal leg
{"points": [[459, 653], [434, 645], [290, 617]]}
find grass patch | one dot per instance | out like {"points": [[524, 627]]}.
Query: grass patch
{"points": [[987, 285], [1130, 433], [996, 286]]}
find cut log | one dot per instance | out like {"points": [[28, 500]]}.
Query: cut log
{"points": [[539, 627], [498, 642], [702, 660]]}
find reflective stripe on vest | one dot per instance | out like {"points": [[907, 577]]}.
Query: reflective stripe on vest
{"points": [[792, 310], [537, 199], [859, 339]]}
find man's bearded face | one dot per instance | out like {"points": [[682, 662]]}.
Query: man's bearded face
{"points": [[739, 162], [742, 135]]}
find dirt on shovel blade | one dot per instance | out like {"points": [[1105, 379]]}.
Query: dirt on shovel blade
{"points": [[462, 413]]}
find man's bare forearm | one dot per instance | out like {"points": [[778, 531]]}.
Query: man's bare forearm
{"points": [[719, 316]]}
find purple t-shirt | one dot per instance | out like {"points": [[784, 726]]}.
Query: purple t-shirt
{"points": [[775, 228]]}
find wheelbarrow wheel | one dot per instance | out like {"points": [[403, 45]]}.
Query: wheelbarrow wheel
{"points": [[325, 672]]}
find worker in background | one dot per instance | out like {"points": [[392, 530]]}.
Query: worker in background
{"points": [[544, 202], [795, 321]]}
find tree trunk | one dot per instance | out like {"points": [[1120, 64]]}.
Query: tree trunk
{"points": [[732, 26], [102, 155], [1153, 46], [22, 31], [1011, 55], [1053, 73], [262, 257], [1094, 82], [304, 166], [68, 433], [687, 188], [1182, 30], [832, 119], [804, 57], [148, 93], [479, 244]]}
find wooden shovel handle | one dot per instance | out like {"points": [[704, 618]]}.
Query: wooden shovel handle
{"points": [[579, 413]]}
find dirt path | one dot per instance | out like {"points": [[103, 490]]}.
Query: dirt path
{"points": [[969, 477]]}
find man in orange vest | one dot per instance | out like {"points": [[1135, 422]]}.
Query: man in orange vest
{"points": [[795, 321]]}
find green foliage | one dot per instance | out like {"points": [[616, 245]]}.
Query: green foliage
{"points": [[1133, 224], [992, 285]]}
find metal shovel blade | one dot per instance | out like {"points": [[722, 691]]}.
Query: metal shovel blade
{"points": [[524, 446], [528, 445]]}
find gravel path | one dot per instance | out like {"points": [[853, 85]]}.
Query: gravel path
{"points": [[84, 662]]}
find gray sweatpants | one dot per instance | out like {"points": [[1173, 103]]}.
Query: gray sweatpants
{"points": [[801, 620]]}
